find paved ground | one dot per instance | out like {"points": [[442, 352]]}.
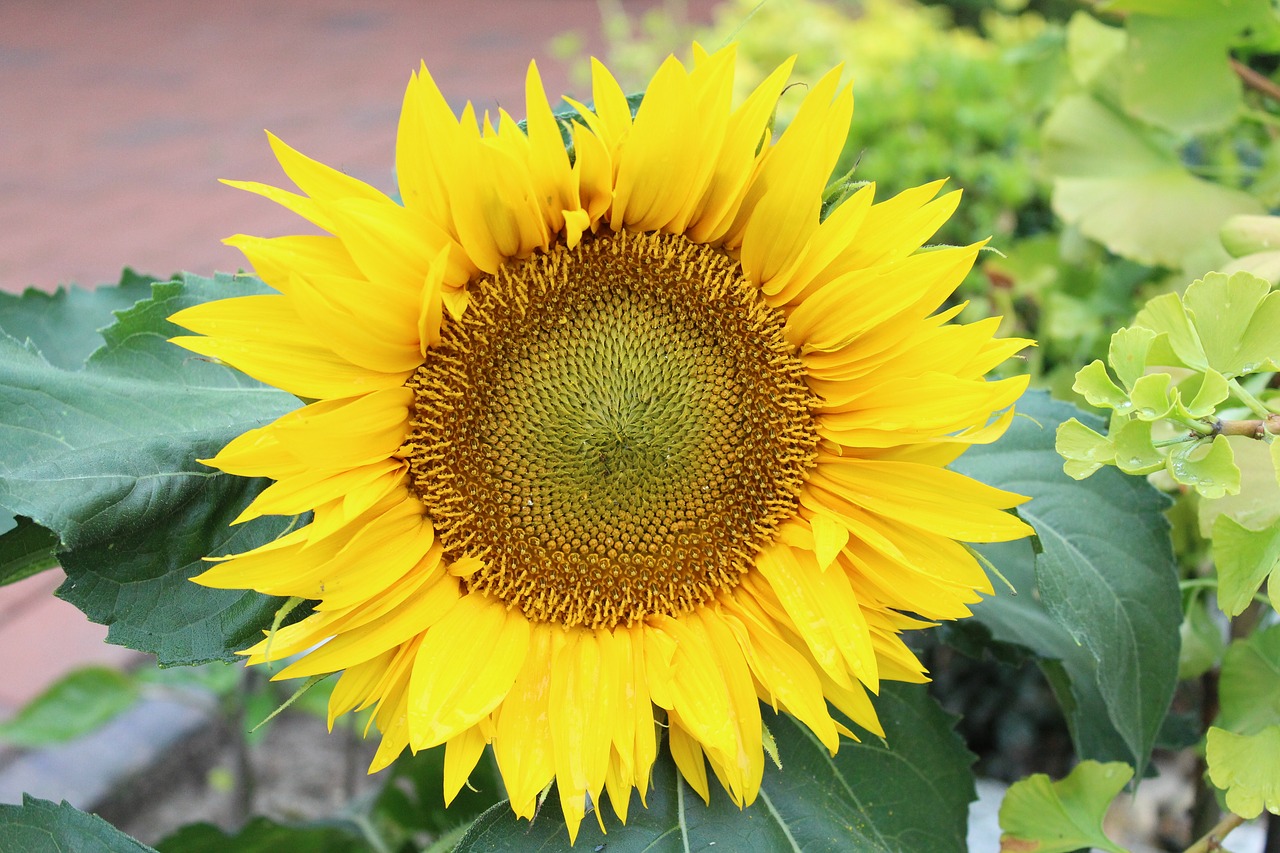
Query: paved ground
{"points": [[117, 119]]}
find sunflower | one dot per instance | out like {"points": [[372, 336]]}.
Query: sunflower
{"points": [[611, 438]]}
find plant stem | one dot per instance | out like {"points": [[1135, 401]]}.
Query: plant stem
{"points": [[1246, 396], [1179, 439], [1212, 840], [1255, 80], [1198, 583], [243, 794], [350, 757], [1268, 424]]}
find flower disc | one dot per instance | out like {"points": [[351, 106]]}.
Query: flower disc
{"points": [[612, 431]]}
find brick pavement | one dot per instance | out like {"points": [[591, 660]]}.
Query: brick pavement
{"points": [[117, 119]]}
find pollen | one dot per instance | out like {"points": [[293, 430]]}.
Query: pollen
{"points": [[611, 431]]}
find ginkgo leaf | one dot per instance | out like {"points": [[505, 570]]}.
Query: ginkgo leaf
{"points": [[1244, 766], [1228, 323], [1212, 472], [1042, 816], [1122, 187], [1249, 687], [1085, 450], [1244, 558]]}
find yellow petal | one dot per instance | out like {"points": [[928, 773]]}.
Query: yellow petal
{"points": [[466, 665], [461, 754], [824, 611], [522, 745], [582, 706], [923, 496], [318, 180], [688, 756]]}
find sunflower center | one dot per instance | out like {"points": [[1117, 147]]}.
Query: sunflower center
{"points": [[611, 431]]}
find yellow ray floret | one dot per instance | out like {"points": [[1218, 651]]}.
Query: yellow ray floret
{"points": [[603, 447]]}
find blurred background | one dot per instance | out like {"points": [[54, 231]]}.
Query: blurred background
{"points": [[118, 118]]}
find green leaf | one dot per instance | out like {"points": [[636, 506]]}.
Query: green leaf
{"points": [[1127, 353], [92, 454], [1244, 558], [1202, 641], [263, 835], [1228, 323], [26, 549], [1135, 452], [104, 457], [1265, 265], [1152, 396], [1205, 390], [1250, 235], [1164, 8], [1040, 816], [1249, 689], [1099, 605], [1129, 192], [1092, 47], [1085, 450], [1176, 70], [76, 704], [64, 325], [39, 826], [911, 793], [1211, 471], [1095, 385], [1245, 767], [139, 584], [1257, 504]]}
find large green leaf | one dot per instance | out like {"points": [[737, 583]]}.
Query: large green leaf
{"points": [[911, 793], [39, 826], [104, 458], [1099, 603], [1123, 188], [25, 549], [65, 325], [138, 580]]}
